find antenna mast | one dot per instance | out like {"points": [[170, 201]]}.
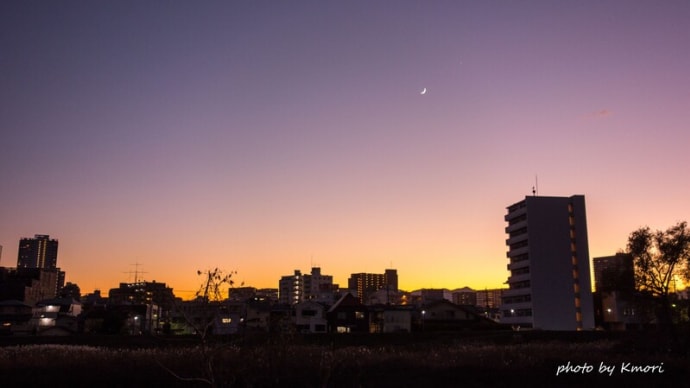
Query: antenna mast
{"points": [[136, 272]]}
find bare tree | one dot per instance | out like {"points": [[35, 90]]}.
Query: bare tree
{"points": [[209, 295], [202, 316]]}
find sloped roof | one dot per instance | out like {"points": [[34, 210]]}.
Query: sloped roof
{"points": [[13, 302], [58, 302], [346, 300]]}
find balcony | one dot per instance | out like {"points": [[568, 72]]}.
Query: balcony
{"points": [[516, 213], [517, 251], [517, 292], [516, 239], [517, 264], [516, 226], [518, 278]]}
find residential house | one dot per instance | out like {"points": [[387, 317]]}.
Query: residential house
{"points": [[310, 317], [390, 319], [56, 316], [14, 317], [348, 315], [444, 315]]}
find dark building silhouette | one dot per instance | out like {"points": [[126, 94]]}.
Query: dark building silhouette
{"points": [[614, 273], [41, 252], [549, 282], [615, 306], [29, 285], [143, 293], [366, 284], [37, 252]]}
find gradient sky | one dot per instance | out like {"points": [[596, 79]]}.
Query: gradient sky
{"points": [[264, 137]]}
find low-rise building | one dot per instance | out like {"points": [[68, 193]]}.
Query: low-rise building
{"points": [[56, 316], [443, 315], [310, 317], [348, 315], [14, 317]]}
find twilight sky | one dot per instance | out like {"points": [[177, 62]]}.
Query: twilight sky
{"points": [[265, 137]]}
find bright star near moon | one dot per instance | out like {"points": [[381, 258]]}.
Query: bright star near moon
{"points": [[423, 92]]}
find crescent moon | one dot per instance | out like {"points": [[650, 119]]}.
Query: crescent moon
{"points": [[423, 92]]}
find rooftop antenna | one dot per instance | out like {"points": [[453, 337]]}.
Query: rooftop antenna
{"points": [[535, 188], [313, 263], [136, 272]]}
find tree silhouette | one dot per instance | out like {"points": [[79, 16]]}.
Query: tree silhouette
{"points": [[659, 258], [201, 317], [70, 290]]}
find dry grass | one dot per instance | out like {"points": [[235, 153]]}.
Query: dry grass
{"points": [[281, 363]]}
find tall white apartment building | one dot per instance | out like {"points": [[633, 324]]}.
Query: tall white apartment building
{"points": [[549, 282], [300, 287]]}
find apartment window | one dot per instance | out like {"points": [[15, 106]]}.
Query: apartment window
{"points": [[517, 206], [518, 232], [517, 299], [520, 271], [517, 313], [521, 257], [520, 244], [522, 284], [515, 220]]}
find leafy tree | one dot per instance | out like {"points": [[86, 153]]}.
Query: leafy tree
{"points": [[659, 257], [70, 290]]}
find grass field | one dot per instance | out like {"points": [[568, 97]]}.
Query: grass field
{"points": [[448, 360]]}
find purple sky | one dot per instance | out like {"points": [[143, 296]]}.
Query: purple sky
{"points": [[265, 137]]}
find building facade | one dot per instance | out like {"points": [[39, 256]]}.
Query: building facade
{"points": [[549, 282], [41, 252], [300, 287], [37, 252], [490, 298], [29, 285], [614, 281], [614, 273], [365, 284]]}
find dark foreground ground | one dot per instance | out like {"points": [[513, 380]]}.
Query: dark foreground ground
{"points": [[489, 359]]}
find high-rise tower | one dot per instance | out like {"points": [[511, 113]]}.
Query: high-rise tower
{"points": [[549, 282], [37, 252], [41, 253]]}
